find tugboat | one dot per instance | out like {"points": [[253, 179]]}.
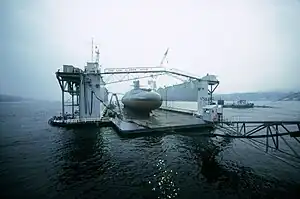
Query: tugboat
{"points": [[239, 104]]}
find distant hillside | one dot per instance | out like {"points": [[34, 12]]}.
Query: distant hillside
{"points": [[10, 98], [291, 97], [188, 92], [253, 96]]}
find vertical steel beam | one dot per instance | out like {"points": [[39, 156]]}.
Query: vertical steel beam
{"points": [[267, 141], [273, 139], [72, 92], [276, 128], [63, 104]]}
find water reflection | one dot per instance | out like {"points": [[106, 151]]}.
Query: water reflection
{"points": [[164, 185], [202, 155], [173, 165], [210, 167], [152, 140], [83, 157], [165, 166]]}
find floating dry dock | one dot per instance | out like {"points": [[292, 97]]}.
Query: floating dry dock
{"points": [[90, 106]]}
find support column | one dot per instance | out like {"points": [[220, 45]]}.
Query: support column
{"points": [[91, 95], [166, 90], [77, 101], [202, 97], [77, 98], [63, 104], [210, 93], [72, 88]]}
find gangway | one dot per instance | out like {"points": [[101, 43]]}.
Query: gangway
{"points": [[265, 134]]}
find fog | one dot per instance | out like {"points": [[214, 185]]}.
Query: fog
{"points": [[250, 45]]}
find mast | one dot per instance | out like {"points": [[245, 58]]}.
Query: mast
{"points": [[97, 54]]}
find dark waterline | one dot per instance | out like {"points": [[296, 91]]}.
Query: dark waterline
{"points": [[39, 161]]}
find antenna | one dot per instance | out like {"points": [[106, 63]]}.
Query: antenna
{"points": [[97, 54]]}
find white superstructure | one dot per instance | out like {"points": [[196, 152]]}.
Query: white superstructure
{"points": [[92, 91]]}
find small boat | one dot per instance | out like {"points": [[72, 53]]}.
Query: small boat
{"points": [[239, 104]]}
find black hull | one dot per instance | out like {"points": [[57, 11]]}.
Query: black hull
{"points": [[142, 105]]}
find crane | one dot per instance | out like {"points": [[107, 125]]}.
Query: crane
{"points": [[164, 57]]}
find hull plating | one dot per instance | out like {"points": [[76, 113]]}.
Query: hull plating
{"points": [[141, 100]]}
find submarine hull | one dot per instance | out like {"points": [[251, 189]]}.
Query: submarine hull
{"points": [[142, 100], [142, 104]]}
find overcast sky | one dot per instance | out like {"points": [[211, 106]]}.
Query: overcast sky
{"points": [[251, 45]]}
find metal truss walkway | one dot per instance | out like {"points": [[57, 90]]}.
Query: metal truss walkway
{"points": [[282, 137]]}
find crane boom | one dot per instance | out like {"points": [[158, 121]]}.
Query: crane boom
{"points": [[164, 57]]}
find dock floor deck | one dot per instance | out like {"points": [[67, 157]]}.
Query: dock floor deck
{"points": [[159, 121]]}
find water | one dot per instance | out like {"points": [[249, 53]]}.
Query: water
{"points": [[40, 161]]}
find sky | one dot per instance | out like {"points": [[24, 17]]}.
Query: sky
{"points": [[251, 45]]}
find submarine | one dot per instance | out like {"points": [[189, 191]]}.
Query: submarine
{"points": [[141, 100]]}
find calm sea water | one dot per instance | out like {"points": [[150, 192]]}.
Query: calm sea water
{"points": [[40, 161]]}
